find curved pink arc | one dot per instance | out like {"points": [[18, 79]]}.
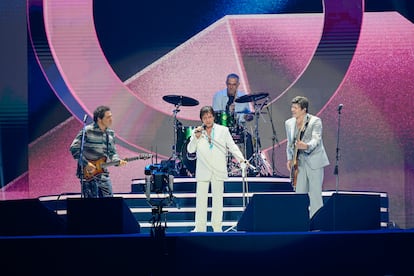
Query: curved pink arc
{"points": [[76, 51], [338, 36], [89, 77]]}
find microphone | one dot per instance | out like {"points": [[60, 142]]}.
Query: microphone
{"points": [[200, 128], [340, 107], [85, 117]]}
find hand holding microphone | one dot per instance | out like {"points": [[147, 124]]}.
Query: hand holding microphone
{"points": [[199, 130]]}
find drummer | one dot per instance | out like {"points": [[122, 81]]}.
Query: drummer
{"points": [[224, 100]]}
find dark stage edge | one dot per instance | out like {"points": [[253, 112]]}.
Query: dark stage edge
{"points": [[377, 252]]}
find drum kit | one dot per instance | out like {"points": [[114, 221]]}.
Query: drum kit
{"points": [[185, 162]]}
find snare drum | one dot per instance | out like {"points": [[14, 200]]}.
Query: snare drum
{"points": [[224, 118]]}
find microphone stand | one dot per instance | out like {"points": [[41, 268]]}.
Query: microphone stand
{"points": [[80, 160], [336, 170], [243, 165], [274, 140]]}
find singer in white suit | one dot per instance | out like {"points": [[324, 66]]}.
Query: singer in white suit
{"points": [[304, 134], [211, 142]]}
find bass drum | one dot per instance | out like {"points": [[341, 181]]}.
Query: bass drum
{"points": [[183, 134], [188, 160], [224, 118]]}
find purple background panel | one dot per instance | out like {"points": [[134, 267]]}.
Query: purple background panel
{"points": [[376, 141]]}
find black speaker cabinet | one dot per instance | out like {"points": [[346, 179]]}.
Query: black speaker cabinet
{"points": [[29, 217], [100, 216], [345, 212], [275, 213]]}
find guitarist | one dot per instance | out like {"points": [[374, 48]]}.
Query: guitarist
{"points": [[304, 137], [98, 144]]}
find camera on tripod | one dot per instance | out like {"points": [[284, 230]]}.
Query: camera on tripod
{"points": [[158, 180]]}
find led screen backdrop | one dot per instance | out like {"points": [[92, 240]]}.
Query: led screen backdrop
{"points": [[336, 53]]}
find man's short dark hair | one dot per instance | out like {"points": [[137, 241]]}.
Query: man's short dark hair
{"points": [[302, 101], [205, 110], [100, 112]]}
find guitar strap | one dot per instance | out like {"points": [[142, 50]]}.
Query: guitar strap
{"points": [[107, 143], [301, 132], [304, 127]]}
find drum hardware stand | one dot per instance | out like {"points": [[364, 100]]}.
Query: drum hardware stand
{"points": [[256, 158], [177, 101], [174, 156], [274, 141]]}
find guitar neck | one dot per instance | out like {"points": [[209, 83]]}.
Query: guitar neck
{"points": [[114, 163], [108, 164]]}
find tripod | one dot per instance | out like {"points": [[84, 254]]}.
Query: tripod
{"points": [[157, 228], [262, 166]]}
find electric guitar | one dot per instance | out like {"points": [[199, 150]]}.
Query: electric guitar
{"points": [[101, 164], [294, 170]]}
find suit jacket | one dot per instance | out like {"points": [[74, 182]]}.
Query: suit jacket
{"points": [[315, 156], [212, 158]]}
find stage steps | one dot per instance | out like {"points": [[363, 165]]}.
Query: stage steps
{"points": [[179, 215]]}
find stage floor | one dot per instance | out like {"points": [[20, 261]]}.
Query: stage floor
{"points": [[381, 252], [177, 251]]}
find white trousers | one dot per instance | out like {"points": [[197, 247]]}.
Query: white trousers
{"points": [[310, 181], [217, 190]]}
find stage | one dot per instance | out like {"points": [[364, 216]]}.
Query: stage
{"points": [[274, 208], [266, 230], [382, 252]]}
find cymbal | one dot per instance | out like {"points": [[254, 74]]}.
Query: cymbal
{"points": [[180, 100], [250, 112], [251, 97]]}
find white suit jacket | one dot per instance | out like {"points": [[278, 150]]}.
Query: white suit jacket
{"points": [[212, 158], [315, 156]]}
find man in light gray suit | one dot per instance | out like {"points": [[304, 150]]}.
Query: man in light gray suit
{"points": [[306, 156]]}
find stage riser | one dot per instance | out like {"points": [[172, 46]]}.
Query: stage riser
{"points": [[184, 192], [188, 216], [229, 186]]}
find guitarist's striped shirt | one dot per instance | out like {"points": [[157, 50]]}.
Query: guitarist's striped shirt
{"points": [[97, 144]]}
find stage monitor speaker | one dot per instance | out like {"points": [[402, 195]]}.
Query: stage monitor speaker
{"points": [[275, 213], [29, 217], [91, 216], [345, 212]]}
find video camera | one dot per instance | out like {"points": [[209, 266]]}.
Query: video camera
{"points": [[158, 180]]}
